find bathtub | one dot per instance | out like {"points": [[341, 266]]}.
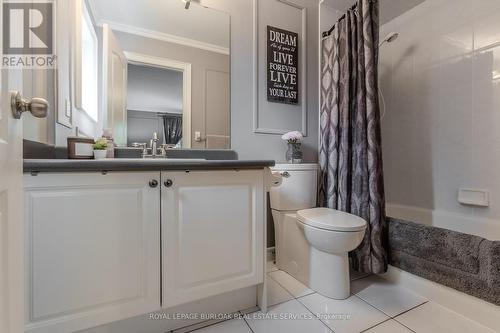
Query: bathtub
{"points": [[486, 228], [435, 288]]}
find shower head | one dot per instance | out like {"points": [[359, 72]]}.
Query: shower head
{"points": [[391, 37]]}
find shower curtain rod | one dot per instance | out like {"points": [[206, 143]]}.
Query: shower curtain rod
{"points": [[168, 114], [327, 33], [158, 113], [353, 7]]}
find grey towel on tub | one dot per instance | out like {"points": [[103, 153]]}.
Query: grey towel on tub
{"points": [[468, 263]]}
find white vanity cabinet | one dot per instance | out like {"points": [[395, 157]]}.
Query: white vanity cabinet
{"points": [[93, 248], [93, 242], [212, 233]]}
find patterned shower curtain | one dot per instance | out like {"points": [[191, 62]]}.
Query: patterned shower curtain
{"points": [[350, 147]]}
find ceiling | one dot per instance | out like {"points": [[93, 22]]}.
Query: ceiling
{"points": [[167, 18], [199, 26], [389, 9]]}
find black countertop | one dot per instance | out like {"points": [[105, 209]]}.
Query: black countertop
{"points": [[140, 164], [40, 157]]}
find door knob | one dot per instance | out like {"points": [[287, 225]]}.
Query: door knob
{"points": [[153, 183], [37, 106], [168, 183]]}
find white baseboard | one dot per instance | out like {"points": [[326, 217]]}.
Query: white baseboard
{"points": [[486, 314], [469, 224], [221, 304]]}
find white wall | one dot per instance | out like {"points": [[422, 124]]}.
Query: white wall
{"points": [[441, 130], [154, 89], [67, 13], [244, 65], [246, 57], [328, 16]]}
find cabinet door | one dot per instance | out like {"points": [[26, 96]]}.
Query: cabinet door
{"points": [[93, 247], [212, 233]]}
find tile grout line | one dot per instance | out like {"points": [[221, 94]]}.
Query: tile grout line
{"points": [[385, 314], [373, 306], [246, 322], [279, 284], [289, 293], [282, 286], [315, 315], [313, 292], [392, 317], [297, 299], [389, 317], [385, 321], [202, 327], [369, 328], [274, 305], [402, 313]]}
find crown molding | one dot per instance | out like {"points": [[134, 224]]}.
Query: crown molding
{"points": [[328, 5], [164, 37]]}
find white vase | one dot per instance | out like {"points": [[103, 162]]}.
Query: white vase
{"points": [[100, 154]]}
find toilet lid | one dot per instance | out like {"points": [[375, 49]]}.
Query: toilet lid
{"points": [[331, 219]]}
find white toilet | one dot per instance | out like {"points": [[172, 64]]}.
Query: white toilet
{"points": [[312, 243]]}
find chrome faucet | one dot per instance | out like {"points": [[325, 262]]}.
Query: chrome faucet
{"points": [[143, 146], [154, 145]]}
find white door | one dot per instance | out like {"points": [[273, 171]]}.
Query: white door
{"points": [[11, 199], [11, 211], [212, 233], [114, 86]]}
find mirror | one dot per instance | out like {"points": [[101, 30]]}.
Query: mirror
{"points": [[144, 67]]}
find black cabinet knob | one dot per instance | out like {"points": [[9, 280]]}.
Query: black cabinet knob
{"points": [[153, 183], [168, 183]]}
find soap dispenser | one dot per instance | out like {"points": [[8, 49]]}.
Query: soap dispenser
{"points": [[107, 133]]}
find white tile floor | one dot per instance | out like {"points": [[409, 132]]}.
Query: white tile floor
{"points": [[294, 287], [375, 306]]}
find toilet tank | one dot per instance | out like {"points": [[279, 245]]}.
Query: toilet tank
{"points": [[299, 187]]}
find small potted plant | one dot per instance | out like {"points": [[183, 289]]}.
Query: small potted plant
{"points": [[100, 147], [294, 151]]}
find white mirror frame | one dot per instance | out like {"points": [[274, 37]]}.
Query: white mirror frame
{"points": [[63, 76], [77, 57]]}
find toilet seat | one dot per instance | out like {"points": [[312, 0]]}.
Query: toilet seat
{"points": [[331, 219]]}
